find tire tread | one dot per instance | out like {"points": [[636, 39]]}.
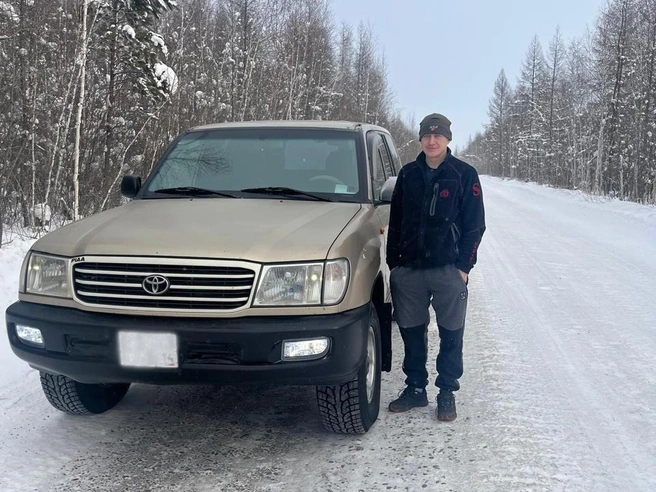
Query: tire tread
{"points": [[62, 394], [339, 407]]}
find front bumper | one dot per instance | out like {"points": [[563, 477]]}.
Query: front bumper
{"points": [[83, 346]]}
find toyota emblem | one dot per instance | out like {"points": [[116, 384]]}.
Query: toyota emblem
{"points": [[156, 285]]}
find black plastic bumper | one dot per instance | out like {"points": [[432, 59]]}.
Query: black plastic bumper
{"points": [[83, 346]]}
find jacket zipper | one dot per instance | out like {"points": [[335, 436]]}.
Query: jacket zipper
{"points": [[436, 189], [456, 237], [422, 226]]}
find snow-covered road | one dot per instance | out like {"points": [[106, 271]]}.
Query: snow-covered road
{"points": [[559, 391]]}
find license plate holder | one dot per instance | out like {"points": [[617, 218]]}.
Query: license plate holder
{"points": [[146, 350]]}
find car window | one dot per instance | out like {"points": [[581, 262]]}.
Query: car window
{"points": [[314, 162], [377, 163], [386, 159], [396, 161]]}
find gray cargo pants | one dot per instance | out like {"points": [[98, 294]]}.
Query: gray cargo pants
{"points": [[413, 292]]}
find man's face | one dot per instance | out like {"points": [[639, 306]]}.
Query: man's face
{"points": [[434, 145]]}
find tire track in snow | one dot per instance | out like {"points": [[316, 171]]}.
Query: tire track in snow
{"points": [[592, 402]]}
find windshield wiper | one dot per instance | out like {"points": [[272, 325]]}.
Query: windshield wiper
{"points": [[192, 191], [284, 191]]}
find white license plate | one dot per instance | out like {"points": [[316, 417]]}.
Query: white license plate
{"points": [[139, 349]]}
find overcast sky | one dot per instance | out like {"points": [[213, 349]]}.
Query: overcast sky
{"points": [[444, 56]]}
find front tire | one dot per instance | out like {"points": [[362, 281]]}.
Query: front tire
{"points": [[76, 398], [352, 407]]}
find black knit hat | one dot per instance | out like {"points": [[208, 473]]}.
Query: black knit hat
{"points": [[436, 124]]}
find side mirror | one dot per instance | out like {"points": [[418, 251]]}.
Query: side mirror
{"points": [[387, 190], [130, 186]]}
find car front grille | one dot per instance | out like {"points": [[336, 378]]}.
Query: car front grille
{"points": [[164, 284]]}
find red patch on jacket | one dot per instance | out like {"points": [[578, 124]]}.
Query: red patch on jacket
{"points": [[444, 193], [477, 189]]}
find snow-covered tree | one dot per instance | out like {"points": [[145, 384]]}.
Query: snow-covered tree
{"points": [[586, 116], [499, 127], [82, 105]]}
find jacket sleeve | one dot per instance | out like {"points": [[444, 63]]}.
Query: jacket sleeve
{"points": [[472, 221], [393, 251]]}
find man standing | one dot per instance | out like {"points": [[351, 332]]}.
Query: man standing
{"points": [[437, 221]]}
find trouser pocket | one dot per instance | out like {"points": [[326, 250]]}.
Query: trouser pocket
{"points": [[449, 296]]}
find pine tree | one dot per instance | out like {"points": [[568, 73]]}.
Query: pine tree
{"points": [[498, 127]]}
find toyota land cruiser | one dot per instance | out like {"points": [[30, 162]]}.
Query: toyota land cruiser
{"points": [[253, 252]]}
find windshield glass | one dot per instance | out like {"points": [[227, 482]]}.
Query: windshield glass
{"points": [[311, 161]]}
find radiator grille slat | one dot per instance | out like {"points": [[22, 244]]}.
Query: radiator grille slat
{"points": [[187, 287]]}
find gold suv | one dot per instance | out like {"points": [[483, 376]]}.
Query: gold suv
{"points": [[253, 252]]}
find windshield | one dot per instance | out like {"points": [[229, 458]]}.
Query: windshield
{"points": [[307, 161]]}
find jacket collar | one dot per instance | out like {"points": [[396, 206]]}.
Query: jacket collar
{"points": [[421, 158]]}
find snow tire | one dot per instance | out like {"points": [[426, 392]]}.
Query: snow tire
{"points": [[76, 398], [347, 408]]}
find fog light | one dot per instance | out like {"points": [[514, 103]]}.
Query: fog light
{"points": [[305, 349], [30, 335]]}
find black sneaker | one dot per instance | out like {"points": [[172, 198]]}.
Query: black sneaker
{"points": [[409, 398], [446, 406]]}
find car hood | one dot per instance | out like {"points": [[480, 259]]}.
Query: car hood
{"points": [[261, 230]]}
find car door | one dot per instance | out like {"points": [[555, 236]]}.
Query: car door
{"points": [[383, 166]]}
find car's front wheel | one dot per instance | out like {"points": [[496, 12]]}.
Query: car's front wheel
{"points": [[352, 407], [76, 398]]}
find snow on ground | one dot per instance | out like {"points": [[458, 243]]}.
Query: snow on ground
{"points": [[11, 258], [559, 391]]}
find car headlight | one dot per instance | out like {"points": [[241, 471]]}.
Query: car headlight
{"points": [[303, 284], [47, 275], [287, 285]]}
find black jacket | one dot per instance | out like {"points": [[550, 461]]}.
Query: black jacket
{"points": [[439, 222]]}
